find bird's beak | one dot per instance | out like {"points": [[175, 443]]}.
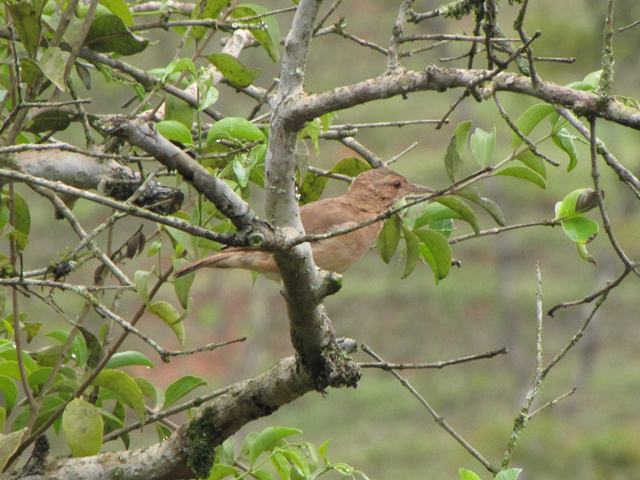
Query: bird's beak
{"points": [[416, 191]]}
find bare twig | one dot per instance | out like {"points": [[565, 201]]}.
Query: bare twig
{"points": [[551, 403], [590, 298], [371, 158], [439, 419], [434, 365]]}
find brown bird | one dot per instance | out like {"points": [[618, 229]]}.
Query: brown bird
{"points": [[370, 194]]}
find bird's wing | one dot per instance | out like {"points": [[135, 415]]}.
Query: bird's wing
{"points": [[327, 215]]}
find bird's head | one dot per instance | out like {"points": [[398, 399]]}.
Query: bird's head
{"points": [[379, 188]]}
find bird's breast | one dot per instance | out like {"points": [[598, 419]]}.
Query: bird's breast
{"points": [[337, 254]]}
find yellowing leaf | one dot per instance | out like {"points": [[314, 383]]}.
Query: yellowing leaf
{"points": [[82, 428]]}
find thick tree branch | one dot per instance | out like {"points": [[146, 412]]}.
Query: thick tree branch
{"points": [[189, 451], [434, 78]]}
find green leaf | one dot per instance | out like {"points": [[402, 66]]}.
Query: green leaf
{"points": [[179, 65], [464, 474], [565, 141], [262, 474], [124, 387], [220, 470], [119, 8], [323, 450], [456, 148], [483, 144], [434, 212], [141, 281], [180, 388], [51, 119], [235, 129], [206, 9], [240, 171], [108, 33], [174, 130], [149, 390], [9, 392], [238, 74], [492, 208], [128, 358], [180, 111], [3, 418], [52, 64], [435, 250], [269, 37], [281, 465], [389, 238], [412, 251], [584, 253], [351, 166], [82, 428], [510, 474], [269, 438], [462, 209], [524, 173], [534, 162], [299, 463], [22, 223], [580, 229], [529, 120], [26, 19], [577, 201], [165, 312], [8, 445], [182, 284]]}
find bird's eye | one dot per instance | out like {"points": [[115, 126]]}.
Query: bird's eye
{"points": [[397, 183]]}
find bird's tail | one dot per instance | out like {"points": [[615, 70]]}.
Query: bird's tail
{"points": [[230, 258]]}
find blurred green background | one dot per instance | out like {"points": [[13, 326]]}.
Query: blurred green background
{"points": [[486, 303]]}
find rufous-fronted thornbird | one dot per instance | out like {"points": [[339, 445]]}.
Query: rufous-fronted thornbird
{"points": [[370, 194]]}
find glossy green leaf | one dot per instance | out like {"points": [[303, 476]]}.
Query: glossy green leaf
{"points": [[10, 369], [180, 388], [174, 130], [483, 144], [3, 418], [109, 34], [48, 406], [580, 229], [464, 474], [169, 315], [269, 438], [149, 390], [461, 208], [281, 465], [577, 201], [389, 237], [529, 120], [236, 73], [584, 253], [179, 65], [565, 141], [510, 474], [128, 358], [492, 208], [412, 251], [524, 173], [119, 8], [263, 474], [457, 145], [220, 470], [8, 445], [38, 377], [9, 392], [82, 428], [534, 162], [124, 387], [268, 37], [28, 25], [234, 129], [435, 212], [299, 463], [78, 346], [435, 250]]}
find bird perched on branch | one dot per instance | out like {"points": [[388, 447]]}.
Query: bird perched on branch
{"points": [[370, 194]]}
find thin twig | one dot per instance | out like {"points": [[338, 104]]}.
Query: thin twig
{"points": [[551, 403], [498, 230], [595, 175], [433, 365], [439, 419], [590, 298], [374, 160], [399, 155]]}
